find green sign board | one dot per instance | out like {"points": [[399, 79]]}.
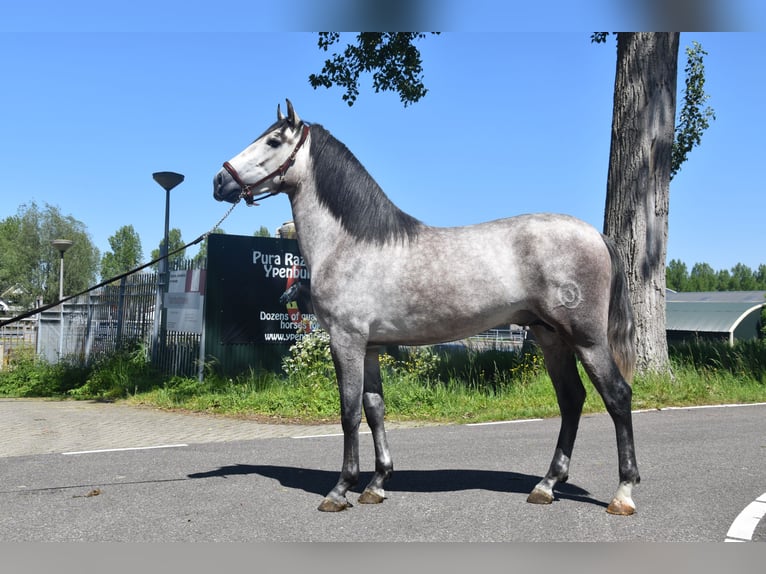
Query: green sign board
{"points": [[258, 299]]}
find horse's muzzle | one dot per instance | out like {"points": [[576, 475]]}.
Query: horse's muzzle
{"points": [[225, 188]]}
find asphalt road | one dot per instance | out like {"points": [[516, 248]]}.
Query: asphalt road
{"points": [[216, 479]]}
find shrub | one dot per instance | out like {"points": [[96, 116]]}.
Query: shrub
{"points": [[25, 375], [420, 363], [118, 375], [310, 357]]}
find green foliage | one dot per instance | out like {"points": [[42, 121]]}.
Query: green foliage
{"points": [[111, 377], [463, 386], [392, 58], [421, 363], [743, 360], [29, 264], [28, 375], [117, 376], [743, 278], [704, 278], [421, 384], [25, 375], [126, 253], [310, 376], [174, 242], [492, 368], [485, 369], [693, 118], [677, 276], [310, 357]]}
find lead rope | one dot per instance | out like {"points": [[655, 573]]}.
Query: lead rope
{"points": [[225, 215], [121, 275]]}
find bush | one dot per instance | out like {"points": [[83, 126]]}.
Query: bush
{"points": [[310, 358], [28, 375], [312, 388], [420, 363], [310, 362], [118, 375], [25, 375]]}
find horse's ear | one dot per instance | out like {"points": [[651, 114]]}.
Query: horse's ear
{"points": [[280, 117], [292, 117]]}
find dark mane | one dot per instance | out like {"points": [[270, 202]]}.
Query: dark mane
{"points": [[346, 188]]}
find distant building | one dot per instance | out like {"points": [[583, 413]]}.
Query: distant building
{"points": [[714, 315]]}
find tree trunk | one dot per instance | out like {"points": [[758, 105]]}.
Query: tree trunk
{"points": [[638, 186]]}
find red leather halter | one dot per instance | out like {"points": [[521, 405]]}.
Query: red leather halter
{"points": [[247, 188]]}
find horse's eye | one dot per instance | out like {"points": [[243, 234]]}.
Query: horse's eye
{"points": [[273, 142]]}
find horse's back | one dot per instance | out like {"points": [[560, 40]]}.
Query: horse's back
{"points": [[526, 248]]}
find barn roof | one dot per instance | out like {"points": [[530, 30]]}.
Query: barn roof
{"points": [[707, 317], [711, 312], [716, 296]]}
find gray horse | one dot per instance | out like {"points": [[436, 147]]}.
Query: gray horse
{"points": [[552, 272]]}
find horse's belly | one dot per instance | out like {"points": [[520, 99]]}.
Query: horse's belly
{"points": [[430, 326]]}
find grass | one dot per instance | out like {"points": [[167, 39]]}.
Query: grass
{"points": [[421, 384]]}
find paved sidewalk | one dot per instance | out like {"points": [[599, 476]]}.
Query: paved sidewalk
{"points": [[32, 426]]}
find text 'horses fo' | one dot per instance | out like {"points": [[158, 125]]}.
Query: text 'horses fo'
{"points": [[554, 273]]}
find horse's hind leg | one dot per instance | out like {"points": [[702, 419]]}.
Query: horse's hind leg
{"points": [[374, 410], [617, 396], [562, 368]]}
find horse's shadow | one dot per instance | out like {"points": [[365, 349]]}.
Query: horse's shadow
{"points": [[443, 480]]}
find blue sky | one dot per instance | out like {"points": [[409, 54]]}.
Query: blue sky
{"points": [[513, 123]]}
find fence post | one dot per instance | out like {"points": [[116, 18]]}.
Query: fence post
{"points": [[120, 312], [89, 328]]}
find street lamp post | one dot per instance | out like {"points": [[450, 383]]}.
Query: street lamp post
{"points": [[167, 180], [61, 245]]}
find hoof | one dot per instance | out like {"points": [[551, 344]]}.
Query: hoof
{"points": [[539, 496], [621, 507], [371, 497], [330, 505]]}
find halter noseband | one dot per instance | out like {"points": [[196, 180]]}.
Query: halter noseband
{"points": [[247, 188]]}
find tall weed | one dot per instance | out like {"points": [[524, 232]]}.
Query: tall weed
{"points": [[745, 359], [28, 375], [127, 371]]}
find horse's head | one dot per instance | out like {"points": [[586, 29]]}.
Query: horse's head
{"points": [[290, 294], [262, 167]]}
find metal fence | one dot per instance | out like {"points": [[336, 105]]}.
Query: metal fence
{"points": [[99, 323], [17, 338]]}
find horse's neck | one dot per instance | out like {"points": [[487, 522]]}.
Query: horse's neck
{"points": [[318, 230]]}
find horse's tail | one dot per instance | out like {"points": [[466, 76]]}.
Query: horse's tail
{"points": [[621, 330]]}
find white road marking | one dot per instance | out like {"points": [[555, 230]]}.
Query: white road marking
{"points": [[125, 449], [328, 435], [744, 525], [697, 407], [502, 422], [724, 406]]}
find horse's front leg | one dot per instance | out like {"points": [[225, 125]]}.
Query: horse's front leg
{"points": [[374, 410], [349, 370]]}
